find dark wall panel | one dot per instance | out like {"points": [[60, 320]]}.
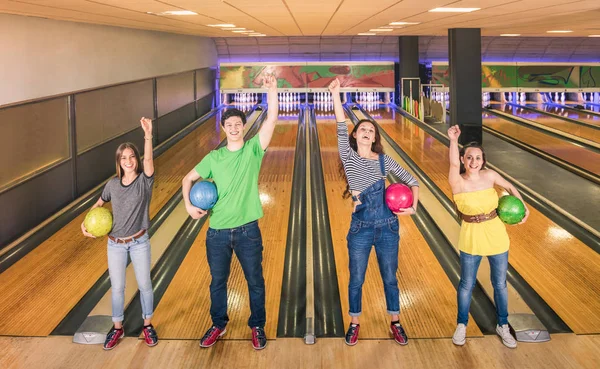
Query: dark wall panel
{"points": [[30, 203]]}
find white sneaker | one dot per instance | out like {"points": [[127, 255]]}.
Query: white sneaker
{"points": [[507, 339], [460, 335]]}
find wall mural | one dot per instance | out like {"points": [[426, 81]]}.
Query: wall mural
{"points": [[529, 76], [307, 75]]}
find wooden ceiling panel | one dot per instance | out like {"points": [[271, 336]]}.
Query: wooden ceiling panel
{"points": [[323, 17]]}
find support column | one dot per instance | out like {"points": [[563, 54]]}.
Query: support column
{"points": [[408, 67], [464, 54]]}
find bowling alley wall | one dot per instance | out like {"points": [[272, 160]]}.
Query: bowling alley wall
{"points": [[72, 92]]}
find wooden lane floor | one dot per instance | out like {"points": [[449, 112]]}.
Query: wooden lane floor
{"points": [[562, 270], [570, 113], [183, 312], [564, 351], [39, 290], [569, 152], [588, 133], [427, 297]]}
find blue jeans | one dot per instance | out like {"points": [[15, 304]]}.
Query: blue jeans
{"points": [[246, 242], [139, 251], [361, 237], [469, 264]]}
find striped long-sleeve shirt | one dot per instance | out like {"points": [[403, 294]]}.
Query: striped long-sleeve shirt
{"points": [[362, 172]]}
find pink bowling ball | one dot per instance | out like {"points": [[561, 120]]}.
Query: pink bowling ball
{"points": [[398, 196]]}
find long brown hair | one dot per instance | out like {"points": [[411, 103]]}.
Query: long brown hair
{"points": [[475, 145], [376, 147], [120, 149]]}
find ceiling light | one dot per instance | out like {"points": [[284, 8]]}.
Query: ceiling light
{"points": [[510, 34], [594, 36], [256, 34], [560, 31], [381, 30], [175, 12], [224, 25], [249, 31], [234, 29], [453, 10], [242, 32], [367, 34], [403, 23]]}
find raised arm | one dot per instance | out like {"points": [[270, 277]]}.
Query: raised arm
{"points": [[148, 154], [266, 131], [454, 177], [186, 186], [334, 88], [342, 128]]}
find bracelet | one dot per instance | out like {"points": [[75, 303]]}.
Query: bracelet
{"points": [[415, 210], [148, 138]]}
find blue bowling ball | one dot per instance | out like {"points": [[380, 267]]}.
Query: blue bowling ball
{"points": [[204, 195]]}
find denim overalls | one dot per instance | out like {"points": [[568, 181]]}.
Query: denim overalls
{"points": [[373, 223]]}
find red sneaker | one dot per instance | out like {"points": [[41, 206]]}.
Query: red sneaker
{"points": [[259, 338], [352, 334], [211, 336], [150, 336], [112, 338], [399, 334]]}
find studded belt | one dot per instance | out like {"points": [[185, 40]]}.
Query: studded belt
{"points": [[479, 217]]}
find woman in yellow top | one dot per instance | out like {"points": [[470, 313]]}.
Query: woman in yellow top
{"points": [[482, 233]]}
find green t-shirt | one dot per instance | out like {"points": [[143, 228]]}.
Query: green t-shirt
{"points": [[235, 173]]}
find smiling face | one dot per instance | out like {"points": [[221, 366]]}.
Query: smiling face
{"points": [[473, 160], [365, 134], [128, 160], [234, 129]]}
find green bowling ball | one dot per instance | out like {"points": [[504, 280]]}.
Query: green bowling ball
{"points": [[98, 221], [510, 210]]}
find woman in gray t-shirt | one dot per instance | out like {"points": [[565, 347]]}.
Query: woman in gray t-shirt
{"points": [[130, 192]]}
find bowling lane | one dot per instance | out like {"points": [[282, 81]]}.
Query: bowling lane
{"points": [[39, 290], [569, 113], [567, 151], [552, 122], [183, 312], [561, 269], [427, 297]]}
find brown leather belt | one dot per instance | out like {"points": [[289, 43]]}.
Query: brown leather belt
{"points": [[479, 217], [128, 239]]}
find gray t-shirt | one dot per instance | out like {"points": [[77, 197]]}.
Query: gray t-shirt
{"points": [[130, 204]]}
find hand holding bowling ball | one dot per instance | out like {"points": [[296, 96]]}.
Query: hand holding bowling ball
{"points": [[97, 223], [203, 197], [399, 198], [511, 210]]}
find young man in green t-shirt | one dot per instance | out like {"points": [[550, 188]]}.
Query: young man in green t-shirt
{"points": [[234, 218]]}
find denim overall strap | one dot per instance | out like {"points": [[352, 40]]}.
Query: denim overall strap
{"points": [[373, 208], [382, 164]]}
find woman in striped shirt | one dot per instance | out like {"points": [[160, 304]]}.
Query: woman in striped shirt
{"points": [[373, 223]]}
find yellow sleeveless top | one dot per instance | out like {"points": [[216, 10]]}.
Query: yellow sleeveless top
{"points": [[485, 238]]}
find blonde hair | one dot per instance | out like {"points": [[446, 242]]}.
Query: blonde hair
{"points": [[122, 147]]}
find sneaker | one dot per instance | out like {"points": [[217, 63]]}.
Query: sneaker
{"points": [[352, 334], [211, 336], [150, 336], [507, 339], [460, 335], [112, 338], [399, 334], [259, 338]]}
